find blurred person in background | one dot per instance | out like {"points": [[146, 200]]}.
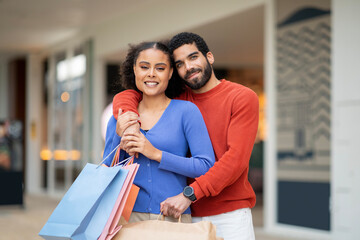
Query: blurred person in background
{"points": [[5, 148]]}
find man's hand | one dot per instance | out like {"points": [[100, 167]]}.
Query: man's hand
{"points": [[175, 206], [127, 123], [126, 120]]}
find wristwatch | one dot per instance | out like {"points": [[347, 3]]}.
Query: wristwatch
{"points": [[189, 193]]}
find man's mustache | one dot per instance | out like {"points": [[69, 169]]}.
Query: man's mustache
{"points": [[191, 71]]}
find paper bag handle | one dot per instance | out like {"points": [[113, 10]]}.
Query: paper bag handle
{"points": [[163, 217]]}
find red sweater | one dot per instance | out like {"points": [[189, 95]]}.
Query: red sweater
{"points": [[231, 113]]}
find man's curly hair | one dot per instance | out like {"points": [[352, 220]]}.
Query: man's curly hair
{"points": [[188, 38], [127, 76]]}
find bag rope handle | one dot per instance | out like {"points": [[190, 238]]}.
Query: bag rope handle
{"points": [[123, 162]]}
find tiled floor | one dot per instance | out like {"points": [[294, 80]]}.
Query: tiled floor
{"points": [[24, 223], [20, 223]]}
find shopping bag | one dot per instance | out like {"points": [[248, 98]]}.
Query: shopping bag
{"points": [[130, 202], [164, 230], [85, 208], [134, 191], [112, 226]]}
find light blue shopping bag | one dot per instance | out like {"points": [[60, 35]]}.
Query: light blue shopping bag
{"points": [[85, 208]]}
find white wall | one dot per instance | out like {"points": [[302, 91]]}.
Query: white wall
{"points": [[33, 123], [270, 189], [346, 119]]}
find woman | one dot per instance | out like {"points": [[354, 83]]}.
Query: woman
{"points": [[169, 130]]}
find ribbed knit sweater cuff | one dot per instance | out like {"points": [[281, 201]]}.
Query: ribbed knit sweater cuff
{"points": [[197, 190]]}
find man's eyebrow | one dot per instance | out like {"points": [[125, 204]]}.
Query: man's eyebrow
{"points": [[191, 54]]}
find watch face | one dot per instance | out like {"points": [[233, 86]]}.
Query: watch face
{"points": [[188, 191]]}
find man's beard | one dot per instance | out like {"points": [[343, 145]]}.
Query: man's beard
{"points": [[197, 83]]}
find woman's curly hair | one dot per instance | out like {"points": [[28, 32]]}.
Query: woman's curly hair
{"points": [[127, 76]]}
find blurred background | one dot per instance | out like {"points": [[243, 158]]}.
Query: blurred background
{"points": [[59, 64]]}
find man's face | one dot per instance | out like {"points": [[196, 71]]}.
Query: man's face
{"points": [[192, 66]]}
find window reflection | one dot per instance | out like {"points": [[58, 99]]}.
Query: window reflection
{"points": [[68, 119]]}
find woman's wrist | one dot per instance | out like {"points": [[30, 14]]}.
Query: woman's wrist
{"points": [[157, 155]]}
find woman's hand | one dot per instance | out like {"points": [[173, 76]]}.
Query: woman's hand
{"points": [[137, 142]]}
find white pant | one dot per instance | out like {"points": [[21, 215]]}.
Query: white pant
{"points": [[233, 225]]}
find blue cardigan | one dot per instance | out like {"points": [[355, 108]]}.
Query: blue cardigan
{"points": [[179, 130]]}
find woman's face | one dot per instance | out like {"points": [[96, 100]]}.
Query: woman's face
{"points": [[152, 72]]}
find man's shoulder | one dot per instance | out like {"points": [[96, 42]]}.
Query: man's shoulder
{"points": [[236, 89]]}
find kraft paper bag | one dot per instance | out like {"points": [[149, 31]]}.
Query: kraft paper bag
{"points": [[85, 208], [164, 230]]}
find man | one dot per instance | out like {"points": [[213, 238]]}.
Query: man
{"points": [[223, 195]]}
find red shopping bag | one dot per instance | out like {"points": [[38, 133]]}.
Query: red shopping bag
{"points": [[130, 202], [134, 191]]}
